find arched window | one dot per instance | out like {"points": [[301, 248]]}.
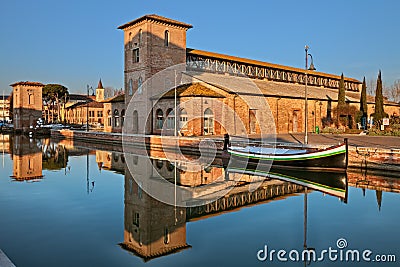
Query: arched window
{"points": [[31, 99], [166, 38], [116, 118], [140, 36], [109, 117], [139, 85], [130, 87], [135, 122], [170, 119], [122, 117], [183, 119], [208, 122], [159, 119]]}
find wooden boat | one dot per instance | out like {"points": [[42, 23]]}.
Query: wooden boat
{"points": [[328, 182], [334, 157]]}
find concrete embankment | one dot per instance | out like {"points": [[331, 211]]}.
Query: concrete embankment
{"points": [[382, 153], [5, 261], [138, 144], [374, 158]]}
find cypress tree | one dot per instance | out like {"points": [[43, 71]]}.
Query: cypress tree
{"points": [[379, 112], [363, 99], [341, 106], [363, 103]]}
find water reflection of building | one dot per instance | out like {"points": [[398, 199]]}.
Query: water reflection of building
{"points": [[152, 228], [185, 176], [27, 159], [5, 143], [374, 182], [110, 160]]}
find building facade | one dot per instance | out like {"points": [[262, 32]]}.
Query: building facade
{"points": [[5, 109], [157, 61]]}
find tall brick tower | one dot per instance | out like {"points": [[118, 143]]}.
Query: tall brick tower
{"points": [[151, 44], [27, 101]]}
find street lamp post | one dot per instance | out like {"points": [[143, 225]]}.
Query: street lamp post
{"points": [[87, 106], [306, 93]]}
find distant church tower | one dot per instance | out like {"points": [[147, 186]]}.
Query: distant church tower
{"points": [[152, 43], [27, 101], [99, 92]]}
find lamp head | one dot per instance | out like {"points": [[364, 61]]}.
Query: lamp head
{"points": [[312, 66], [312, 63]]}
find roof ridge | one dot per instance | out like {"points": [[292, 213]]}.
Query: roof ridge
{"points": [[157, 18]]}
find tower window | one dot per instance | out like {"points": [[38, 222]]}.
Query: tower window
{"points": [[166, 38], [130, 87], [136, 219], [140, 85], [135, 55], [30, 99], [140, 37]]}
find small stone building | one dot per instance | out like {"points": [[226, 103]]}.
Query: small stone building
{"points": [[27, 104]]}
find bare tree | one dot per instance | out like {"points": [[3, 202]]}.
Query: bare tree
{"points": [[393, 92], [371, 87], [108, 92]]}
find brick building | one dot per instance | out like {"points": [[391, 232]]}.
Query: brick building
{"points": [[27, 104], [214, 84]]}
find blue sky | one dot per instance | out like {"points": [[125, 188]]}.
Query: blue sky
{"points": [[76, 42]]}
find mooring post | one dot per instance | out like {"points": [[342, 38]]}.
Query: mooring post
{"points": [[346, 141], [226, 142], [225, 154]]}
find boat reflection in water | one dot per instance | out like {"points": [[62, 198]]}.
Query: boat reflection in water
{"points": [[154, 229], [329, 182]]}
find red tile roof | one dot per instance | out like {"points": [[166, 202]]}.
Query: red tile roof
{"points": [[27, 83], [190, 90], [100, 85], [261, 63], [154, 17]]}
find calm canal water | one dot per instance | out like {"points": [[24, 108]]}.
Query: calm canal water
{"points": [[67, 205]]}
